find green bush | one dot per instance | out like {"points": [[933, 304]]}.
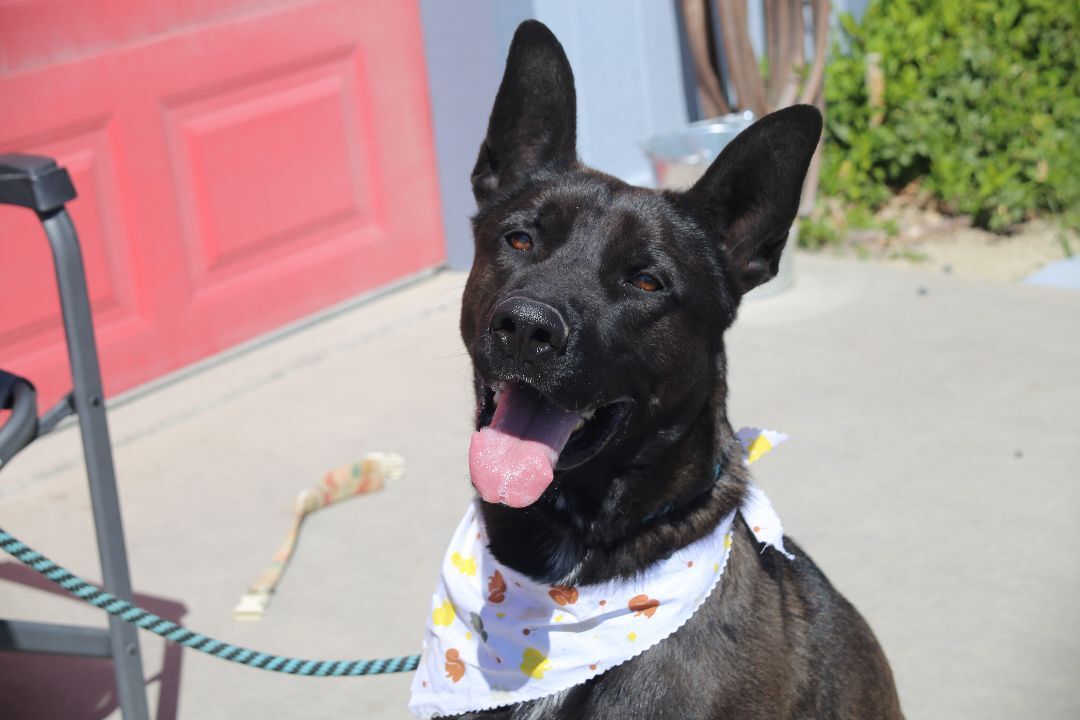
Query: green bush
{"points": [[980, 102]]}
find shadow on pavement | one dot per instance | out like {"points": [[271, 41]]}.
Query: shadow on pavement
{"points": [[78, 688]]}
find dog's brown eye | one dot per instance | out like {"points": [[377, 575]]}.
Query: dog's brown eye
{"points": [[519, 241], [646, 282]]}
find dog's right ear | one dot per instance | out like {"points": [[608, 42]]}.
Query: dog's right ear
{"points": [[534, 121]]}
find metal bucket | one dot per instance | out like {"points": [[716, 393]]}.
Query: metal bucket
{"points": [[680, 158]]}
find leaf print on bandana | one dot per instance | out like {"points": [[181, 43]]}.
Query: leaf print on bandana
{"points": [[563, 595], [496, 588], [455, 666], [643, 605], [467, 566], [444, 614], [758, 447], [478, 626], [534, 663]]}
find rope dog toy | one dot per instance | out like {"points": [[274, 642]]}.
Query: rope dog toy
{"points": [[368, 475]]}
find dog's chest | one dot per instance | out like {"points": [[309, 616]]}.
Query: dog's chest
{"points": [[541, 709], [676, 679]]}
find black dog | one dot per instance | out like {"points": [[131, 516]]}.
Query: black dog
{"points": [[594, 301]]}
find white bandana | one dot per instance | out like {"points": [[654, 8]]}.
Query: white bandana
{"points": [[496, 637]]}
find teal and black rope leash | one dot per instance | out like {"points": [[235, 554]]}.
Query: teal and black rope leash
{"points": [[196, 641]]}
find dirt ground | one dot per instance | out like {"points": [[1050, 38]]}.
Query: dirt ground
{"points": [[927, 239]]}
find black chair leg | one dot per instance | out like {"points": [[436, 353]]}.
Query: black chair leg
{"points": [[39, 184]]}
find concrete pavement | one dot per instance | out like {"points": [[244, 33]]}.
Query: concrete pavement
{"points": [[932, 473]]}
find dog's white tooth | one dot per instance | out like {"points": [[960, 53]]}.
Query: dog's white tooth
{"points": [[588, 415], [580, 424]]}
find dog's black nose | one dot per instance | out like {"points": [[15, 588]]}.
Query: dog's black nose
{"points": [[528, 329]]}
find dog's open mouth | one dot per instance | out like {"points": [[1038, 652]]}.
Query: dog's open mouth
{"points": [[524, 437]]}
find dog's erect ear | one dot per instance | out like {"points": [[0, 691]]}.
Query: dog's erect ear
{"points": [[749, 196], [533, 123]]}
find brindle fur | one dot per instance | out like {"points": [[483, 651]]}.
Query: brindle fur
{"points": [[776, 640]]}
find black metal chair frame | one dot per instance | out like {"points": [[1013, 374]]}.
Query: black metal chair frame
{"points": [[39, 184]]}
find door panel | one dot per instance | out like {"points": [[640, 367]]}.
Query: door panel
{"points": [[233, 176]]}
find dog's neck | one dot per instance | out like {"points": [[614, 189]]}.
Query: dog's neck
{"points": [[588, 528]]}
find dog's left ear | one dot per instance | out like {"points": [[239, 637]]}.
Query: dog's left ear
{"points": [[749, 196], [534, 122]]}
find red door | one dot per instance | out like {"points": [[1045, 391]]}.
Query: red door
{"points": [[239, 164]]}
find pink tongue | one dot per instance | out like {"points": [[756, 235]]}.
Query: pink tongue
{"points": [[512, 460]]}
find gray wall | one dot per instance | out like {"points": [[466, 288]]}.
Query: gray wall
{"points": [[625, 56]]}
